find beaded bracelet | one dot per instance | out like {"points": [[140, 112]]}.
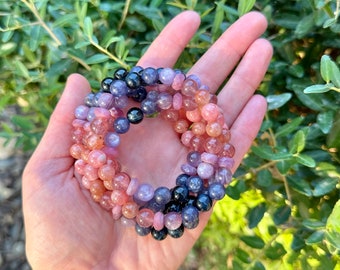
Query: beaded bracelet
{"points": [[196, 117]]}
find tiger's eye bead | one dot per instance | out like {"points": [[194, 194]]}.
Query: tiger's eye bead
{"points": [[135, 115]]}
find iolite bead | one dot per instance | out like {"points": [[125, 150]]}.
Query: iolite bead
{"points": [[216, 191], [135, 115], [118, 88], [190, 217], [150, 76], [180, 194], [121, 125], [142, 231], [120, 73], [194, 184], [176, 233], [138, 94], [181, 180], [162, 195]]}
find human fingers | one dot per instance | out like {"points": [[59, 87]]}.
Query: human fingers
{"points": [[167, 47], [221, 58], [245, 79]]}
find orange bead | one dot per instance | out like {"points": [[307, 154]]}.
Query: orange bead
{"points": [[130, 209], [213, 129], [76, 150], [194, 115], [121, 181], [198, 128], [106, 172], [97, 188], [181, 126]]}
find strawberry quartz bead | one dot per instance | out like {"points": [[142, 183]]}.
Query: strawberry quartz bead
{"points": [[197, 143], [189, 88], [94, 141], [198, 128], [97, 189], [213, 145], [100, 125], [145, 217], [202, 97], [227, 150], [119, 197], [213, 129], [158, 221], [194, 115], [105, 201], [181, 126], [97, 158], [121, 181], [172, 220], [210, 112], [178, 81], [106, 172], [91, 172], [79, 166]]}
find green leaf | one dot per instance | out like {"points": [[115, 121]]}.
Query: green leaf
{"points": [[325, 68], [324, 186], [318, 88], [281, 215], [277, 101], [7, 48], [313, 224], [275, 251], [333, 138], [289, 127], [219, 16], [245, 6], [242, 255], [329, 22], [298, 142], [22, 122], [304, 26], [88, 27], [234, 191], [305, 160], [266, 152], [264, 178], [21, 69], [255, 215], [257, 266], [300, 185], [253, 241], [333, 227], [315, 237], [97, 58], [335, 75], [325, 121]]}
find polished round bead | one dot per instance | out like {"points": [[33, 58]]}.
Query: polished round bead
{"points": [[177, 101], [213, 145], [89, 99], [223, 176], [145, 217], [121, 125], [116, 212], [202, 97], [209, 158], [91, 172], [120, 73], [130, 209], [194, 158], [227, 150], [158, 221], [180, 193], [148, 107], [173, 206], [97, 188], [132, 187], [194, 184], [181, 126], [170, 115], [216, 191], [81, 112], [97, 158], [164, 101], [205, 170], [188, 169], [186, 138], [142, 231], [210, 112], [76, 150], [119, 197], [203, 202], [172, 220], [178, 81], [162, 195], [144, 192], [150, 75], [105, 201], [190, 217], [138, 94], [112, 139], [118, 88], [121, 102], [159, 235], [167, 75], [176, 233], [121, 181], [154, 206], [135, 115], [79, 166], [133, 80], [181, 180], [189, 87], [194, 115], [137, 69], [127, 222], [105, 84], [213, 129]]}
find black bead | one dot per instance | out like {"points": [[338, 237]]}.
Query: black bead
{"points": [[172, 206], [142, 231], [120, 73], [133, 80], [180, 194], [203, 202], [135, 115], [159, 235], [105, 84], [181, 180], [176, 233], [138, 94]]}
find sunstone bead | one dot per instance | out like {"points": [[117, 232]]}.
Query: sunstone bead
{"points": [[205, 170], [194, 115], [97, 188], [100, 126], [145, 217], [91, 172], [142, 231], [112, 139], [172, 220], [135, 115], [203, 202], [181, 126], [176, 233], [210, 112], [178, 81], [121, 125], [227, 150], [213, 129], [190, 217], [133, 80], [198, 128], [79, 166], [105, 201], [213, 145], [186, 138], [159, 235], [216, 191], [119, 197], [105, 84], [162, 195], [144, 192], [150, 75], [170, 115], [197, 143], [121, 181], [76, 150], [189, 87], [81, 112], [189, 103], [202, 97], [194, 184]]}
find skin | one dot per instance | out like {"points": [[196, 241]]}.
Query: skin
{"points": [[66, 230]]}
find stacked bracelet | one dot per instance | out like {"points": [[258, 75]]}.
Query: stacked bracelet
{"points": [[183, 100]]}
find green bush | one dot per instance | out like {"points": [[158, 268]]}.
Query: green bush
{"points": [[283, 208]]}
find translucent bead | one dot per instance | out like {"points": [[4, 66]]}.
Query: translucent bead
{"points": [[178, 81], [119, 197], [158, 221], [172, 220], [81, 112], [76, 150], [101, 113], [225, 135], [162, 195], [127, 222], [89, 99], [194, 158], [99, 126], [94, 141], [189, 87], [226, 162], [164, 101], [112, 139], [210, 112], [137, 69], [177, 101], [195, 78], [106, 172], [188, 169], [213, 129], [194, 115], [108, 184], [85, 182], [223, 176], [144, 192], [105, 84], [121, 102], [205, 170], [105, 100], [97, 158], [153, 95], [145, 217], [79, 166], [189, 103], [148, 107], [186, 138], [116, 212], [198, 128], [78, 135], [97, 188], [90, 115], [85, 154], [90, 172], [209, 158], [110, 152], [181, 180], [121, 125], [133, 186], [130, 209], [170, 115], [197, 143], [167, 75], [142, 231], [150, 75], [227, 150], [202, 97], [116, 112], [212, 145], [118, 88], [216, 191], [181, 126], [176, 233], [121, 181], [190, 217], [105, 201], [194, 184]]}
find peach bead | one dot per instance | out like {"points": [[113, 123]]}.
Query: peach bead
{"points": [[119, 197], [76, 150], [225, 135], [158, 221], [99, 126], [198, 128], [170, 115], [85, 182], [210, 112], [213, 145], [202, 97], [106, 172], [186, 138], [181, 126], [97, 188], [189, 103], [108, 184], [130, 209], [105, 201], [197, 143], [97, 158], [94, 141], [189, 87], [145, 217], [79, 166], [194, 115], [121, 181], [227, 150], [91, 172], [116, 212], [213, 129]]}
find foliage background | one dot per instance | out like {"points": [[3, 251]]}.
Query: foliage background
{"points": [[282, 210]]}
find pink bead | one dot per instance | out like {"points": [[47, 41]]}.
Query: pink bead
{"points": [[209, 158], [210, 112], [164, 101], [77, 123], [101, 113], [177, 101], [110, 152], [105, 100], [197, 143], [213, 145], [145, 217], [170, 115], [186, 138], [115, 112], [189, 103], [189, 87], [172, 220], [205, 170], [158, 221], [119, 197], [127, 222], [85, 182], [79, 166], [91, 172], [178, 81], [194, 115], [116, 212], [105, 201], [213, 129], [133, 186], [226, 162], [106, 172], [228, 150], [121, 181], [100, 125], [188, 169], [97, 158]]}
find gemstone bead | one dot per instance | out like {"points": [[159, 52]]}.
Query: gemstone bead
{"points": [[139, 94], [194, 184], [112, 139], [145, 217], [144, 192], [181, 180], [120, 73], [81, 112], [118, 88], [162, 195], [135, 115], [142, 231], [121, 125], [158, 221], [190, 217], [172, 220], [205, 170], [194, 158], [176, 233], [216, 191], [203, 202], [150, 75], [130, 209], [180, 193], [167, 75], [159, 235], [133, 80]]}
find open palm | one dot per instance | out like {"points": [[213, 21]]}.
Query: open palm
{"points": [[67, 230]]}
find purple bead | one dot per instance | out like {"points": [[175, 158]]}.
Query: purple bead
{"points": [[121, 102], [150, 75], [152, 95], [89, 99], [181, 180], [216, 191], [194, 184], [209, 158], [162, 195], [105, 100], [81, 112], [223, 176], [188, 169], [154, 206], [205, 170], [226, 162], [136, 69], [118, 88], [172, 220], [148, 107], [142, 231], [112, 139], [144, 192], [166, 75], [196, 79], [164, 101], [121, 125], [190, 217], [90, 115], [194, 158]]}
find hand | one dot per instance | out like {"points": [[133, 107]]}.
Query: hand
{"points": [[66, 230]]}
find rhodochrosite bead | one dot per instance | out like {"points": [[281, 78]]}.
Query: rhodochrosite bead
{"points": [[99, 129]]}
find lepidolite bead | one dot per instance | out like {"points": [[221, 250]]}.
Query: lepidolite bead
{"points": [[167, 75], [172, 220], [112, 139]]}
